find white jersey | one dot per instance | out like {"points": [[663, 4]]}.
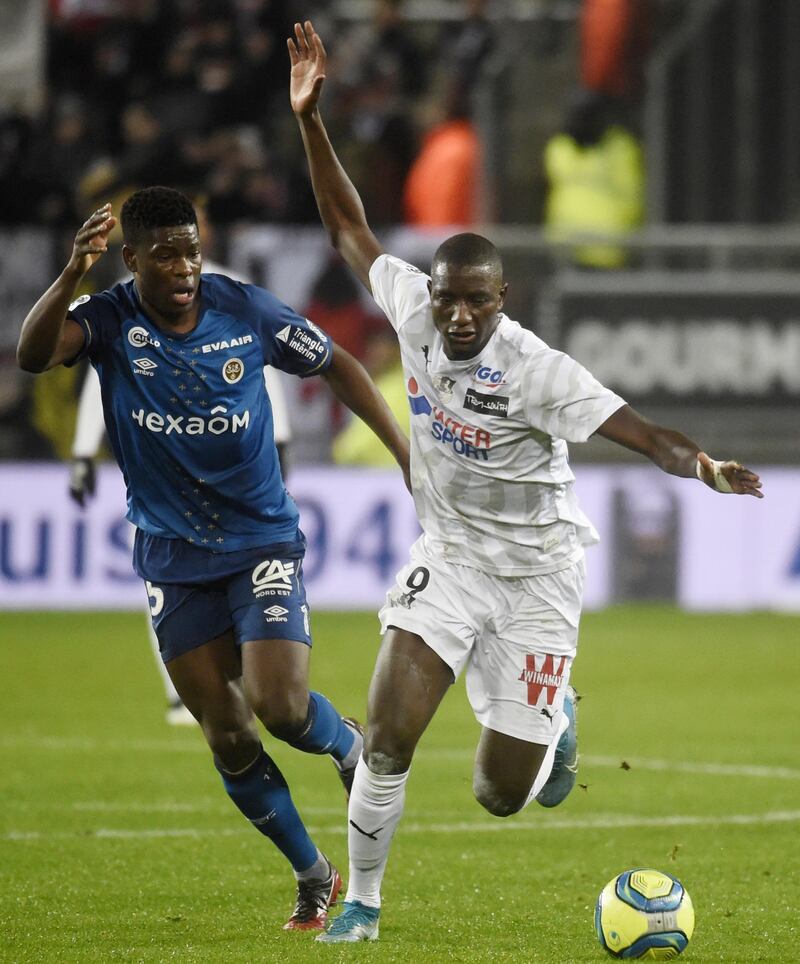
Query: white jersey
{"points": [[489, 469], [90, 425]]}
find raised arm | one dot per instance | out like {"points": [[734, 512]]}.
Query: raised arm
{"points": [[48, 337], [676, 454], [339, 205]]}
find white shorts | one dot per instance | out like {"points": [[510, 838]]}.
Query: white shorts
{"points": [[517, 636]]}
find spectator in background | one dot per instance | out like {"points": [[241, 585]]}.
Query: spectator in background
{"points": [[472, 41], [444, 183], [41, 159], [384, 43], [248, 183], [261, 61], [166, 90], [151, 152], [614, 38], [595, 174], [178, 102], [336, 305], [378, 72]]}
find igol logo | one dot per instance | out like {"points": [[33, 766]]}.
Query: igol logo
{"points": [[488, 377]]}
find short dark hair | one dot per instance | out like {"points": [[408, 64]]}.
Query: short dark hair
{"points": [[468, 250], [154, 207]]}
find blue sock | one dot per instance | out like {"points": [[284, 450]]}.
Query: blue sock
{"points": [[324, 731], [261, 793]]}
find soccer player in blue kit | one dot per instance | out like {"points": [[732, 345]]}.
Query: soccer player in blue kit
{"points": [[180, 358]]}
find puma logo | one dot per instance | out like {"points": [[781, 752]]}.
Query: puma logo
{"points": [[366, 833]]}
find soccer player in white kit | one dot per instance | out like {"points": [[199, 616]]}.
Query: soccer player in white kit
{"points": [[494, 584]]}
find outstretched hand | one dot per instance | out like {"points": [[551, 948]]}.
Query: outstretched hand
{"points": [[718, 475], [91, 242], [308, 59]]}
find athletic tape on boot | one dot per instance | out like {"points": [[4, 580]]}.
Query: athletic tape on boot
{"points": [[721, 484]]}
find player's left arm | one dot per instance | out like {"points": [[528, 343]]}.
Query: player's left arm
{"points": [[676, 454], [351, 384], [339, 203]]}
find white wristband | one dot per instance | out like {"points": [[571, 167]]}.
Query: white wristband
{"points": [[721, 484]]}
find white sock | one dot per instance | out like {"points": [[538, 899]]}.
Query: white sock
{"points": [[354, 753], [319, 870], [547, 764], [376, 805]]}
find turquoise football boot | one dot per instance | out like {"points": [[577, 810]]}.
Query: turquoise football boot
{"points": [[357, 922], [565, 764]]}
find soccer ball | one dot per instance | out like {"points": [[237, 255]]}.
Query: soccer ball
{"points": [[644, 915]]}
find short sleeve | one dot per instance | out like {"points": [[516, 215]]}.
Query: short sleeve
{"points": [[400, 290], [565, 400], [290, 342], [95, 314]]}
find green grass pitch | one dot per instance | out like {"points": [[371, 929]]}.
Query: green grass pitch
{"points": [[117, 842]]}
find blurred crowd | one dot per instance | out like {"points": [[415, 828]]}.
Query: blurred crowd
{"points": [[193, 93]]}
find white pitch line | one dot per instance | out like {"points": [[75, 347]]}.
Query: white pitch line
{"points": [[708, 769], [641, 763], [612, 822], [167, 806], [218, 806], [599, 822], [89, 744]]}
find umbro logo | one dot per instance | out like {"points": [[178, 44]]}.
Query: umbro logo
{"points": [[276, 614], [144, 366]]}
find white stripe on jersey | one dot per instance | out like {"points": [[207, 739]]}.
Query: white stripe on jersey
{"points": [[489, 468]]}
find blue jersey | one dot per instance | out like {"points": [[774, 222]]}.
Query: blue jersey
{"points": [[188, 418]]}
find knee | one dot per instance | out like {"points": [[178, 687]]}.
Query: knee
{"points": [[234, 745], [387, 753], [283, 714], [497, 800]]}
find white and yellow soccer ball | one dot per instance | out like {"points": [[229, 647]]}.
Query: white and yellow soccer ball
{"points": [[644, 915]]}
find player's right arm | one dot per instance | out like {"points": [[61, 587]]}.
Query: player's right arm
{"points": [[48, 338], [339, 205]]}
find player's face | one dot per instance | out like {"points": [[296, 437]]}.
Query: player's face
{"points": [[465, 301], [167, 266]]}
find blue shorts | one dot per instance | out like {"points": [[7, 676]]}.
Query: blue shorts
{"points": [[266, 600]]}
